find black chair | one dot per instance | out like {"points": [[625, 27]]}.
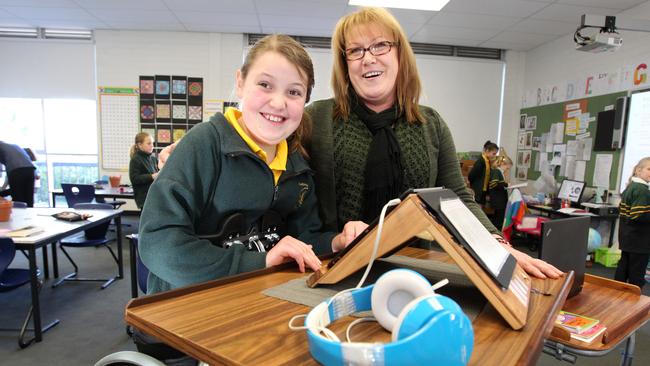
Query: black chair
{"points": [[78, 193], [92, 237], [13, 278]]}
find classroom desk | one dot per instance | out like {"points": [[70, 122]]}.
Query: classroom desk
{"points": [[106, 192], [229, 321], [624, 311], [552, 213], [54, 230]]}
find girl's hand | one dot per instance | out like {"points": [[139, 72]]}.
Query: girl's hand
{"points": [[289, 248], [154, 176], [533, 266], [350, 231]]}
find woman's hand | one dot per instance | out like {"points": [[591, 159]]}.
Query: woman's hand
{"points": [[533, 266], [350, 231], [289, 248]]}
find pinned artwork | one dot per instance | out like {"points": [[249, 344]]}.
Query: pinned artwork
{"points": [[179, 111], [146, 87], [178, 134], [147, 113], [163, 86], [163, 111], [151, 132], [194, 112], [179, 87], [164, 136]]}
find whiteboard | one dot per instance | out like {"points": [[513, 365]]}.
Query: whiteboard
{"points": [[637, 139], [118, 115]]}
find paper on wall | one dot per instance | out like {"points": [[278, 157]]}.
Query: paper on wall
{"points": [[543, 146], [571, 147], [559, 133], [570, 167], [572, 126], [579, 170], [602, 170]]}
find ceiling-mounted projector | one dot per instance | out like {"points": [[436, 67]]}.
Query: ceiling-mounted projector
{"points": [[604, 37], [601, 42]]}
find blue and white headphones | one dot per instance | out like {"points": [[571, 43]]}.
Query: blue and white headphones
{"points": [[427, 328]]}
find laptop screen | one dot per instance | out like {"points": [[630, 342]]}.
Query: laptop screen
{"points": [[571, 190], [564, 245]]}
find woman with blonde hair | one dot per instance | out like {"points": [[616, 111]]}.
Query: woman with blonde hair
{"points": [[375, 125]]}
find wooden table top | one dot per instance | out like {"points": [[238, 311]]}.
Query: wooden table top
{"points": [[619, 306], [230, 321]]}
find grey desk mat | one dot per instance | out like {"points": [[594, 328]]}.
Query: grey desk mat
{"points": [[460, 288]]}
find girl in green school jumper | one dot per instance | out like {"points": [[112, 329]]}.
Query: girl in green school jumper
{"points": [[634, 226], [143, 168], [479, 175]]}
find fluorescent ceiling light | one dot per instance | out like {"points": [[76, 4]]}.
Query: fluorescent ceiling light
{"points": [[430, 5], [19, 32], [67, 34]]}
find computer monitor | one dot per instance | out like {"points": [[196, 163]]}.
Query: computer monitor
{"points": [[564, 245], [571, 190]]}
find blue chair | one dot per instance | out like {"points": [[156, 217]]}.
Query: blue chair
{"points": [[19, 204], [92, 237], [13, 278], [78, 193]]}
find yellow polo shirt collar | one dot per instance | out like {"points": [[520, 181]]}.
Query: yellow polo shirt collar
{"points": [[279, 162]]}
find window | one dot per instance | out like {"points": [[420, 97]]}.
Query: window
{"points": [[63, 135]]}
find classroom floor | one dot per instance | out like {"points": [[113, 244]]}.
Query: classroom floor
{"points": [[92, 324]]}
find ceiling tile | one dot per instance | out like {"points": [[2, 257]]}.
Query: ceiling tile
{"points": [[327, 9], [618, 4], [40, 3], [279, 21], [228, 6], [217, 18], [516, 8], [543, 26], [134, 15], [44, 13], [140, 25], [66, 24], [433, 39], [523, 37], [122, 4], [571, 13], [474, 20], [297, 31], [412, 16], [222, 28], [509, 45], [432, 31]]}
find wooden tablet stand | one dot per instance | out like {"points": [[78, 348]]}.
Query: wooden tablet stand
{"points": [[410, 219]]}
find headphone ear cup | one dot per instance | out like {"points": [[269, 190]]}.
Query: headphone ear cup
{"points": [[393, 291], [420, 311]]}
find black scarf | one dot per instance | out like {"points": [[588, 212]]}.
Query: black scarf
{"points": [[383, 176]]}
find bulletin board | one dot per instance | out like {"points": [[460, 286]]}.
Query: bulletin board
{"points": [[118, 114], [547, 115]]}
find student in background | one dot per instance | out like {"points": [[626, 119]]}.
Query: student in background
{"points": [[21, 172], [634, 227], [143, 168], [497, 193], [479, 176]]}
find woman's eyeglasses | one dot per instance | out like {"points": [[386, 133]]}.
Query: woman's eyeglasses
{"points": [[376, 49]]}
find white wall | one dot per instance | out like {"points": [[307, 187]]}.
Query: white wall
{"points": [[513, 90], [47, 69]]}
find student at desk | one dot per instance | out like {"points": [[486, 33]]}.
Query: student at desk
{"points": [[479, 176], [634, 229], [250, 162]]}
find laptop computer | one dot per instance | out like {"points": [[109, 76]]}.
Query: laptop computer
{"points": [[564, 245]]}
